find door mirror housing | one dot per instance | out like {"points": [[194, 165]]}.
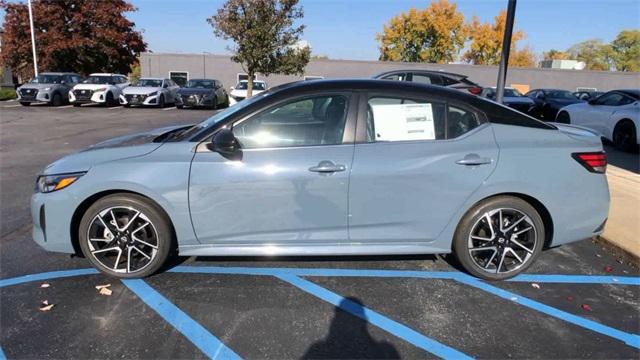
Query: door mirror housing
{"points": [[224, 142]]}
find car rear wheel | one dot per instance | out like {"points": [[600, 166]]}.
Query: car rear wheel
{"points": [[109, 100], [499, 238], [161, 101], [125, 236], [24, 103], [56, 100], [624, 136], [564, 118]]}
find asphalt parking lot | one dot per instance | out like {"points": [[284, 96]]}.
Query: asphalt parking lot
{"points": [[577, 301]]}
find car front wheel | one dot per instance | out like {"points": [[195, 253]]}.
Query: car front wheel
{"points": [[499, 238], [563, 118], [125, 236]]}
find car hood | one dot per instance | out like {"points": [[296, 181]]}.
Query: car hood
{"points": [[194, 91], [121, 147], [90, 86], [37, 86], [140, 90]]}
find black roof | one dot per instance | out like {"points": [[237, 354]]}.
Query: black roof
{"points": [[450, 74]]}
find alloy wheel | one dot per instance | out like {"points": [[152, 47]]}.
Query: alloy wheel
{"points": [[122, 239], [502, 241]]}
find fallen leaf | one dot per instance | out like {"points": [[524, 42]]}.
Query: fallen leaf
{"points": [[45, 285], [569, 298], [586, 307], [47, 308], [598, 255], [513, 298], [98, 287], [45, 302], [608, 268], [105, 291], [620, 261], [535, 285]]}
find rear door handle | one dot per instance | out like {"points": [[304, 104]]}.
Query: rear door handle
{"points": [[473, 160], [327, 167]]}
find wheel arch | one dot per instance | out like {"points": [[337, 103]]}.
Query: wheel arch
{"points": [[537, 204], [86, 203]]}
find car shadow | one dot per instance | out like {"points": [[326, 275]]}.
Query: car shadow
{"points": [[626, 160], [349, 337]]}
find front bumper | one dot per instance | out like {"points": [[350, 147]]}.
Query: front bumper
{"points": [[34, 96], [76, 97], [138, 99], [51, 217], [196, 100]]}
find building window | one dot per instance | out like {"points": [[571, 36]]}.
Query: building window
{"points": [[313, 77], [179, 77]]}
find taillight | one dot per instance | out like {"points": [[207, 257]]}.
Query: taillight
{"points": [[595, 162], [475, 90]]}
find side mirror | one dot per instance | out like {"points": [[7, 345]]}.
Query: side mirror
{"points": [[224, 143]]}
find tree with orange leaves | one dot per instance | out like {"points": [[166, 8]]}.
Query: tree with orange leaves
{"points": [[435, 34]]}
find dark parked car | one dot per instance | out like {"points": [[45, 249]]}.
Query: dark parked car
{"points": [[587, 95], [512, 98], [50, 87], [549, 101], [440, 78], [203, 93]]}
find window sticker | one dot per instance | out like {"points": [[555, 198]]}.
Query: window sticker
{"points": [[403, 122]]}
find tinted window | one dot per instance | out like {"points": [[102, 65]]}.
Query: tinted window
{"points": [[47, 79], [460, 121], [178, 77], [560, 94], [312, 121], [397, 77], [613, 99], [426, 79], [402, 119], [200, 84], [446, 81]]}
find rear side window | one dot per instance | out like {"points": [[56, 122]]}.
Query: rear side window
{"points": [[397, 77], [426, 79], [446, 81]]}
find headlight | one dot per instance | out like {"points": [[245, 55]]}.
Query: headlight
{"points": [[100, 90], [50, 183]]}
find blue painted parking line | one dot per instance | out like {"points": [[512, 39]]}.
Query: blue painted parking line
{"points": [[375, 318], [46, 276], [2, 355], [577, 279], [192, 330], [627, 338]]}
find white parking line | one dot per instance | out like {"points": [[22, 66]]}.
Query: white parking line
{"points": [[115, 107], [64, 107], [169, 108], [11, 106]]}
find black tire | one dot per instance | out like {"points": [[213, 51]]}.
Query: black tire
{"points": [[24, 103], [214, 105], [127, 105], [109, 100], [159, 224], [56, 100], [161, 101], [77, 105], [180, 106], [476, 218], [563, 117], [624, 136]]}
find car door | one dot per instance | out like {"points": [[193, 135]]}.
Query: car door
{"points": [[290, 185], [418, 161], [599, 111]]}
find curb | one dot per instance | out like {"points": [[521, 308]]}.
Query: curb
{"points": [[617, 251]]}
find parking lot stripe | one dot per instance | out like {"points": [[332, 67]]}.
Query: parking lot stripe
{"points": [[169, 108], [11, 106], [629, 339], [46, 276], [577, 279], [2, 355], [375, 318], [193, 331], [64, 107], [115, 107]]}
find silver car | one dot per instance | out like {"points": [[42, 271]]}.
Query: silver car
{"points": [[150, 92], [50, 87]]}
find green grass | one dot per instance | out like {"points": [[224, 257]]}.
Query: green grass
{"points": [[7, 94]]}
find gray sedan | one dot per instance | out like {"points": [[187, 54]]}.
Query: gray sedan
{"points": [[50, 87]]}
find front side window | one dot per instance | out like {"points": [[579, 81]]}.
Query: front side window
{"points": [[318, 120], [426, 79], [392, 119], [613, 99], [396, 77], [47, 79]]}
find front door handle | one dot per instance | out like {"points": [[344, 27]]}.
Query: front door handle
{"points": [[327, 167], [473, 160]]}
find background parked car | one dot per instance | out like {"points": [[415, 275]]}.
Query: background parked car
{"points": [[512, 98], [239, 92], [549, 101], [614, 115], [150, 92], [49, 87], [587, 95], [203, 93], [440, 78], [99, 88]]}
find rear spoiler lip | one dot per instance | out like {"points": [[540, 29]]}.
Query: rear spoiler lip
{"points": [[574, 129]]}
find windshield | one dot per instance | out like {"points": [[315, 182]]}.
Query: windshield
{"points": [[149, 83], [560, 94], [507, 93], [256, 86], [47, 79], [221, 116], [100, 79], [200, 84]]}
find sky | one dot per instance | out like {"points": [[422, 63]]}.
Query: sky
{"points": [[346, 29]]}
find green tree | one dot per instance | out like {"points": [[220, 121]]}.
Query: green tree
{"points": [[71, 35], [264, 35], [435, 34], [626, 50], [594, 53]]}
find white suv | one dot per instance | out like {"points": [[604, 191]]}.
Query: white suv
{"points": [[99, 88]]}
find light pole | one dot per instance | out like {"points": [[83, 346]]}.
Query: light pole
{"points": [[506, 48], [33, 41]]}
